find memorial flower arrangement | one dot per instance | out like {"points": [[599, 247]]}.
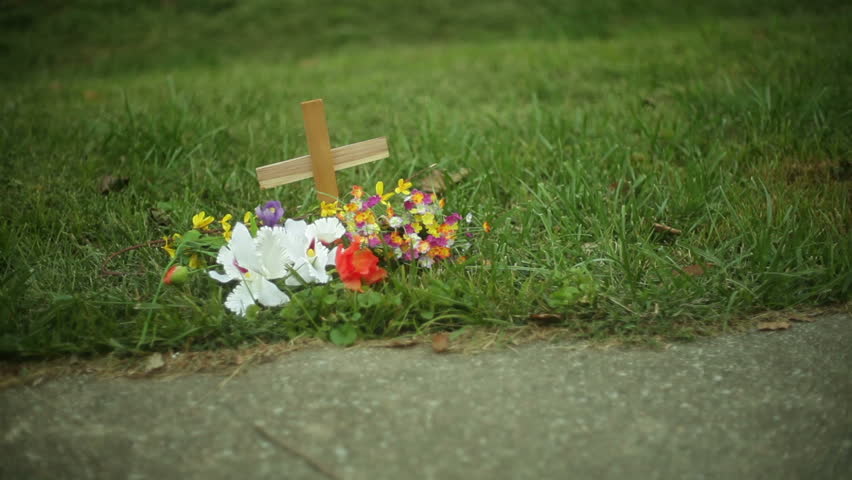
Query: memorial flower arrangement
{"points": [[353, 241]]}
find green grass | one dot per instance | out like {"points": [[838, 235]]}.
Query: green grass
{"points": [[733, 124]]}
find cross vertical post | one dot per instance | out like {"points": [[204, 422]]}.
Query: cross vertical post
{"points": [[319, 147], [322, 160]]}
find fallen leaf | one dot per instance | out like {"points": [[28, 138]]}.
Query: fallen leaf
{"points": [[154, 362], [770, 326], [545, 317], [622, 187], [440, 342], [800, 319], [436, 181], [589, 247], [159, 216], [694, 270], [433, 182], [663, 228], [460, 175], [111, 184]]}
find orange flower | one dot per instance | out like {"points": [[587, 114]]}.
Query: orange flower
{"points": [[356, 265]]}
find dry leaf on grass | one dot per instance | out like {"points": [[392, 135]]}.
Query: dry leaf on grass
{"points": [[440, 342], [800, 319], [111, 184], [771, 326], [663, 228], [159, 216], [436, 181], [154, 362], [695, 270], [433, 182], [459, 176]]}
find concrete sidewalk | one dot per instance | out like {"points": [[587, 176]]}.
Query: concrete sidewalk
{"points": [[763, 405]]}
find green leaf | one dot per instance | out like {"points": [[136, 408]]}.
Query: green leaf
{"points": [[251, 312], [343, 335], [369, 299], [190, 236]]}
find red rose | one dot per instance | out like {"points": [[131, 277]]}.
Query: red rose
{"points": [[355, 264]]}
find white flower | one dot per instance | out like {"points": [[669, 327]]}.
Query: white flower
{"points": [[253, 262], [308, 256], [396, 222], [327, 230]]}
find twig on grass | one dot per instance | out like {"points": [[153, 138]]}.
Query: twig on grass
{"points": [[150, 243], [105, 272]]}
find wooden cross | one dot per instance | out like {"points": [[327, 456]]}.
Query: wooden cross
{"points": [[322, 160]]}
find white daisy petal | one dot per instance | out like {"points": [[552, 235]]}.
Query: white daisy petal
{"points": [[221, 277], [295, 227], [225, 257], [239, 299], [243, 247], [268, 294], [271, 252], [331, 261], [301, 273], [326, 230]]}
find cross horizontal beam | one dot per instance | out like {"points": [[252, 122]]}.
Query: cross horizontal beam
{"points": [[300, 168]]}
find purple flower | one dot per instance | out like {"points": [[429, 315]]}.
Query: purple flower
{"points": [[374, 241], [437, 241], [270, 214], [453, 219], [409, 229], [409, 205], [372, 201]]}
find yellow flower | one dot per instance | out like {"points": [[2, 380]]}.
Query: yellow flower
{"points": [[357, 191], [226, 226], [247, 218], [328, 209], [380, 191], [403, 186], [201, 220], [486, 226], [196, 261], [170, 244], [427, 219]]}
